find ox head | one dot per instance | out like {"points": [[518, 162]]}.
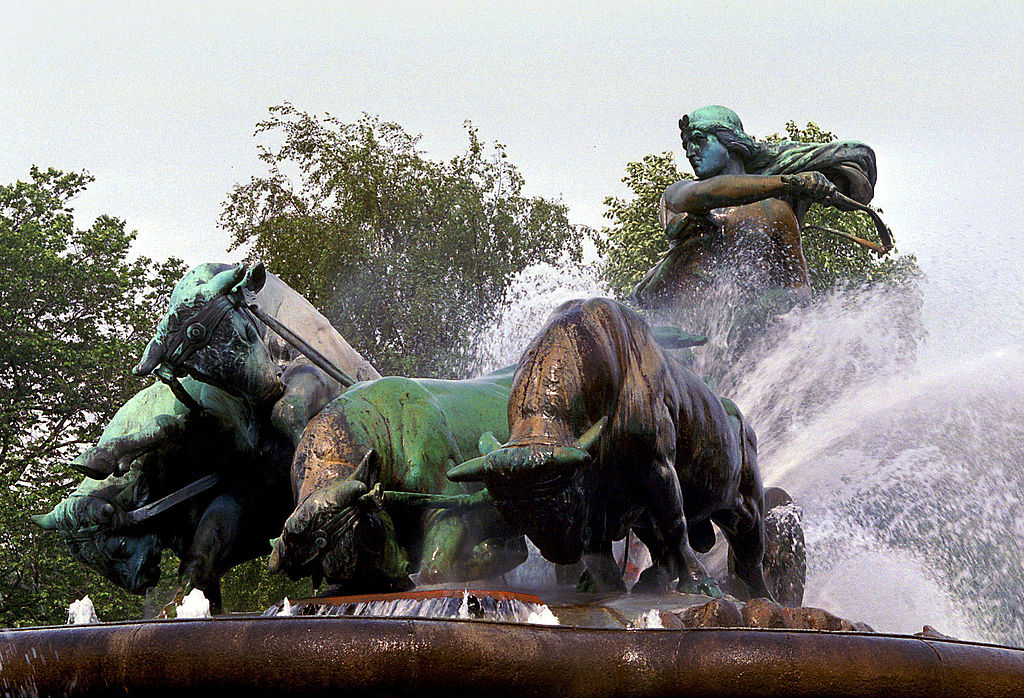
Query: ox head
{"points": [[539, 489], [205, 334], [87, 521], [341, 533]]}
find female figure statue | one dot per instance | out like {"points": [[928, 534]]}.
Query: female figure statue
{"points": [[743, 213]]}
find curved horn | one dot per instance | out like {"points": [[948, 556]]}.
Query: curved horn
{"points": [[225, 281], [151, 358], [470, 471], [569, 455], [96, 463], [276, 555], [47, 521], [592, 435], [345, 492]]}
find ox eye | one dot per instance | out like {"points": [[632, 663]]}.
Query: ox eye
{"points": [[122, 547], [195, 332]]}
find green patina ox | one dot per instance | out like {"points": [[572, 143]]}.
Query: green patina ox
{"points": [[361, 478]]}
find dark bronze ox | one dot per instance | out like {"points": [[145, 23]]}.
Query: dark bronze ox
{"points": [[609, 433], [120, 524]]}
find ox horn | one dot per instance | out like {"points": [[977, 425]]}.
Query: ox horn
{"points": [[47, 521], [369, 469], [345, 493], [255, 278], [581, 450], [591, 436], [276, 555], [225, 281], [470, 471], [151, 358]]}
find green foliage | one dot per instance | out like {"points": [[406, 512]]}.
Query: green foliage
{"points": [[76, 313], [407, 256], [634, 241], [251, 587]]}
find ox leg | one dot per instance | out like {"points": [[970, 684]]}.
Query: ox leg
{"points": [[604, 574], [665, 503], [745, 532], [213, 548], [656, 579], [444, 538]]}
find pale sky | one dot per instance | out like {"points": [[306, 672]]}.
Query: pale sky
{"points": [[159, 100]]}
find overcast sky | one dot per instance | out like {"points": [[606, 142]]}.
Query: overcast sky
{"points": [[158, 100]]}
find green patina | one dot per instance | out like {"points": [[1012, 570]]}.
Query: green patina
{"points": [[415, 431]]}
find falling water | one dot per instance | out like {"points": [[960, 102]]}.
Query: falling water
{"points": [[908, 469], [467, 605]]}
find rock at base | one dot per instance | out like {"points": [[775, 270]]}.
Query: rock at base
{"points": [[717, 613]]}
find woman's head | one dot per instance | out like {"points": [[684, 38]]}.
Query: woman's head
{"points": [[710, 134]]}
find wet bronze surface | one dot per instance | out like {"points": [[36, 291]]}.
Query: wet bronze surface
{"points": [[369, 656]]}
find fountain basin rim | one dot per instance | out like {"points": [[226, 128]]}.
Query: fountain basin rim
{"points": [[243, 617], [311, 656]]}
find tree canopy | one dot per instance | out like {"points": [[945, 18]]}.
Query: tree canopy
{"points": [[76, 313], [406, 255]]}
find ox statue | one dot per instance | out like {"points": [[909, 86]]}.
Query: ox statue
{"points": [[210, 485], [609, 433], [399, 435], [210, 332]]}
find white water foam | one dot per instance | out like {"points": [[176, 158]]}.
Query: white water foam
{"points": [[909, 472], [532, 295], [82, 612], [194, 605]]}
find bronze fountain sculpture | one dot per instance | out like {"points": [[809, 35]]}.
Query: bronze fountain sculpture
{"points": [[595, 432]]}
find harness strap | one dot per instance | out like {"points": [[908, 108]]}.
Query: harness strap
{"points": [[137, 516]]}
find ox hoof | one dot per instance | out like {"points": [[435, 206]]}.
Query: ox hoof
{"points": [[704, 587], [590, 583], [653, 580]]}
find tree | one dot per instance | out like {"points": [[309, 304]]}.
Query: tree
{"points": [[634, 242], [407, 256], [76, 314]]}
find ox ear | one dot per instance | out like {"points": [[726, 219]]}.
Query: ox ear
{"points": [[591, 436], [675, 338], [470, 471], [151, 358], [224, 282], [254, 279], [47, 521], [369, 469], [488, 443], [344, 493]]}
